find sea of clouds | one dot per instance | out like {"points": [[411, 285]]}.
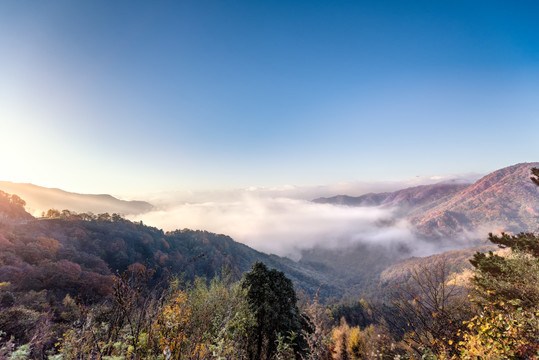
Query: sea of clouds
{"points": [[285, 222], [284, 226]]}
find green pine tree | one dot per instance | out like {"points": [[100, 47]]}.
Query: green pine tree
{"points": [[272, 299]]}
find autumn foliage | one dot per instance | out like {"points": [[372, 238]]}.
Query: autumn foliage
{"points": [[85, 286]]}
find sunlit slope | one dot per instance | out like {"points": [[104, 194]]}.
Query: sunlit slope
{"points": [[40, 199], [504, 200]]}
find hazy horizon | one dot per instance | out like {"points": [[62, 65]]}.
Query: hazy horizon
{"points": [[302, 192]]}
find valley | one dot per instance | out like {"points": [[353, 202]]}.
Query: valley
{"points": [[46, 262]]}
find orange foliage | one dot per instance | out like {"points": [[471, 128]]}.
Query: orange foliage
{"points": [[49, 244]]}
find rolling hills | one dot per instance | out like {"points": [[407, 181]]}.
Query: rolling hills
{"points": [[39, 199]]}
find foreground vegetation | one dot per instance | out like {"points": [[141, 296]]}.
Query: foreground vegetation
{"points": [[83, 291]]}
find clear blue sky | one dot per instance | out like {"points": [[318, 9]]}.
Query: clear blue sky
{"points": [[128, 96]]}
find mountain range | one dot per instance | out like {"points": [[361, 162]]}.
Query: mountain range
{"points": [[40, 199], [504, 200]]}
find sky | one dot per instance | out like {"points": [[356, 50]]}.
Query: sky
{"points": [[134, 97]]}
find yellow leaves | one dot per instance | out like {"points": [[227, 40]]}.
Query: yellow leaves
{"points": [[200, 351], [172, 323], [499, 334]]}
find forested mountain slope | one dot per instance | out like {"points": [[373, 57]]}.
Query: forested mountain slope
{"points": [[455, 261], [505, 200], [77, 253]]}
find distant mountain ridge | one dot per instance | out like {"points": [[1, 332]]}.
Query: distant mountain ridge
{"points": [[40, 199], [409, 197], [504, 200]]}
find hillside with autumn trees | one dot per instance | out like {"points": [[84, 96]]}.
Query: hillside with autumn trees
{"points": [[78, 253], [84, 286]]}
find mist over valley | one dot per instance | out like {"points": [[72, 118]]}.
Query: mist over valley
{"points": [[350, 239]]}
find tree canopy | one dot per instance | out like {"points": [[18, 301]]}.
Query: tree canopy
{"points": [[273, 301]]}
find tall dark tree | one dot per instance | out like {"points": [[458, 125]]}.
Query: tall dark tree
{"points": [[272, 299]]}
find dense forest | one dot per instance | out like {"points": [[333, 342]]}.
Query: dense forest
{"points": [[85, 286]]}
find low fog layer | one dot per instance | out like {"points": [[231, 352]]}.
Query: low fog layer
{"points": [[285, 226], [284, 221]]}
